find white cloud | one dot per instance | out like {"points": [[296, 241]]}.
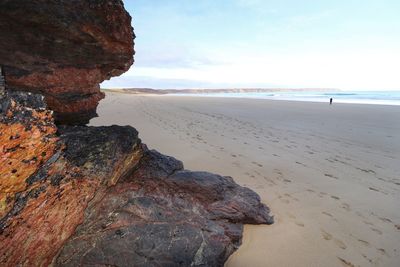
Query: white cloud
{"points": [[352, 70]]}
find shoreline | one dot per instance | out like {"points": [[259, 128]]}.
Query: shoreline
{"points": [[335, 101], [281, 96], [329, 174]]}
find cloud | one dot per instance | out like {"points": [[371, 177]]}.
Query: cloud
{"points": [[351, 70], [286, 43], [165, 83], [154, 82], [162, 58]]}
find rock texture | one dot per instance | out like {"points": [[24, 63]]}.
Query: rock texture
{"points": [[63, 49], [96, 196], [48, 179], [75, 195]]}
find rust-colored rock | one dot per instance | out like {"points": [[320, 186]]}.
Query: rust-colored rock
{"points": [[27, 140], [99, 187], [64, 49], [55, 178], [95, 196]]}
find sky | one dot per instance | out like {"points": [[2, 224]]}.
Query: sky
{"points": [[341, 44]]}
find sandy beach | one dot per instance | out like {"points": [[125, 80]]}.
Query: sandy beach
{"points": [[330, 174]]}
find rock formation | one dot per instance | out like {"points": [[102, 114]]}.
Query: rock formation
{"points": [[73, 195], [63, 49]]}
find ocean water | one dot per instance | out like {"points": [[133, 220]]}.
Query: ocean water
{"points": [[355, 97]]}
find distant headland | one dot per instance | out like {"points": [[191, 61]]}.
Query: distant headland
{"points": [[214, 91]]}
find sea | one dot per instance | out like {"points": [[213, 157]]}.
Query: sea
{"points": [[354, 97]]}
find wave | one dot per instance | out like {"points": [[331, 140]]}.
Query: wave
{"points": [[371, 97]]}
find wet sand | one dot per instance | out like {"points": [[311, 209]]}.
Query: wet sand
{"points": [[330, 174]]}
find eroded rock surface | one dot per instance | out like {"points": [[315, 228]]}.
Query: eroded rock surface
{"points": [[96, 196], [63, 49], [164, 216], [48, 179]]}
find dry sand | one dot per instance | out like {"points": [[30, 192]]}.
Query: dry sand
{"points": [[330, 174]]}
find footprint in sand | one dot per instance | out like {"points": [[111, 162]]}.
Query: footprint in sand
{"points": [[299, 224], [322, 194], [300, 163], [326, 235], [258, 164], [346, 263], [335, 197], [340, 244], [327, 214], [365, 243], [379, 232], [346, 206], [382, 251], [366, 171], [331, 176], [386, 220], [368, 223], [377, 190], [365, 257]]}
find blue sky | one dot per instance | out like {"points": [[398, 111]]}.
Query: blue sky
{"points": [[346, 44]]}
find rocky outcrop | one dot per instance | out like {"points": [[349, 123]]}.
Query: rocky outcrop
{"points": [[73, 195], [63, 49], [97, 196], [47, 179], [170, 217]]}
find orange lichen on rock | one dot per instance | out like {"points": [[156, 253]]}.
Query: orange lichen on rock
{"points": [[49, 176], [46, 222], [22, 151]]}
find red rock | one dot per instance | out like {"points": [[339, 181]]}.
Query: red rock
{"points": [[64, 49], [78, 195], [42, 207], [100, 197]]}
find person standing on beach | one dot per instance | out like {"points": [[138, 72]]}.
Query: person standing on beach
{"points": [[330, 101]]}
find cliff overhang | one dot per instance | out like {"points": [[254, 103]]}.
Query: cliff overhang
{"points": [[73, 195]]}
